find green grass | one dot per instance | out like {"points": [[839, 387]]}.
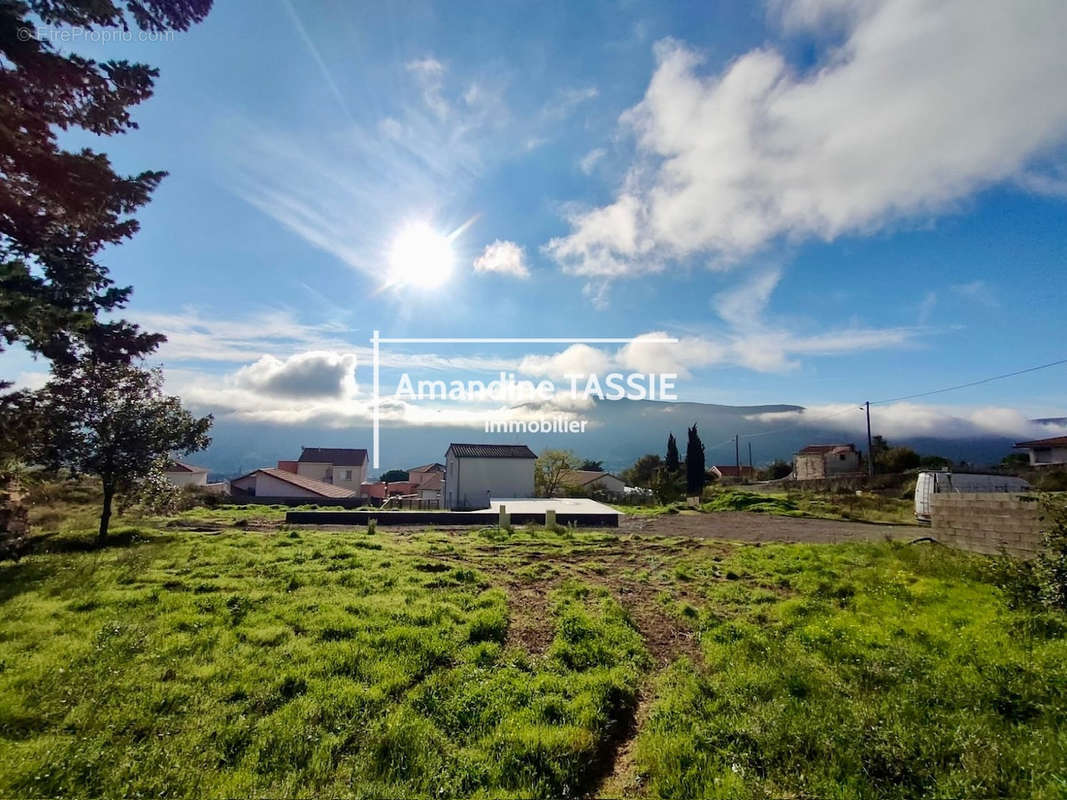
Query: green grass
{"points": [[290, 663], [867, 507], [862, 671], [278, 662]]}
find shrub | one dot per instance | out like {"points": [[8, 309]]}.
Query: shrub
{"points": [[1040, 584], [1054, 480], [1050, 570]]}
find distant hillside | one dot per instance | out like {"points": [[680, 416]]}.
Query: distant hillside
{"points": [[618, 433]]}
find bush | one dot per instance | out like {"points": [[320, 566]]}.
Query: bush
{"points": [[1050, 570], [1040, 584], [14, 522], [1053, 480], [776, 470]]}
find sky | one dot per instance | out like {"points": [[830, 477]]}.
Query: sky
{"points": [[823, 203]]}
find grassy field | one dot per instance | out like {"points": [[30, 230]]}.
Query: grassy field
{"points": [[866, 507], [263, 660]]}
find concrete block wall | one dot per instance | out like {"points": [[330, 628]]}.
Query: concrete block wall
{"points": [[988, 523]]}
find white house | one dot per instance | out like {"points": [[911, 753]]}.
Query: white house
{"points": [[588, 480], [341, 466], [474, 473], [1045, 452], [270, 482], [826, 461], [180, 474]]}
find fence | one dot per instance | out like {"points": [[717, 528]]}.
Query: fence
{"points": [[988, 523]]}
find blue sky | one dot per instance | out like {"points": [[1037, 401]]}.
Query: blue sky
{"points": [[824, 202]]}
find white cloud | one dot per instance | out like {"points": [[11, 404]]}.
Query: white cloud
{"points": [[646, 354], [743, 305], [906, 420], [566, 101], [319, 389], [589, 161], [578, 359], [322, 374], [610, 242], [346, 187], [196, 336], [504, 257], [918, 107], [430, 74], [1051, 182], [977, 292], [926, 307]]}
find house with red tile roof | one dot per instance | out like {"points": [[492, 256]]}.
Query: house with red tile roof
{"points": [[818, 461], [1045, 452], [271, 482]]}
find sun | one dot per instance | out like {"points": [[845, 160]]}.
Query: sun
{"points": [[420, 256]]}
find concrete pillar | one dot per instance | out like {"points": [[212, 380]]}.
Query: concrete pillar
{"points": [[503, 520], [550, 519]]}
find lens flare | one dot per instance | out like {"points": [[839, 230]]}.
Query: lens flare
{"points": [[420, 257]]}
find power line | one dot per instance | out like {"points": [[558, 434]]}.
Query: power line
{"points": [[802, 419], [972, 383]]}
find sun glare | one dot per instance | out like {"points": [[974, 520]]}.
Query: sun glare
{"points": [[420, 256]]}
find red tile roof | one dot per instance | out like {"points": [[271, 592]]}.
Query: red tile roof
{"points": [[1055, 441], [580, 477], [178, 466], [310, 484], [435, 467], [828, 448]]}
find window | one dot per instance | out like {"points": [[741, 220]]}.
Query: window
{"points": [[348, 475]]}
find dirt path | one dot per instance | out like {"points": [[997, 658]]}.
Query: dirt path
{"points": [[742, 526]]}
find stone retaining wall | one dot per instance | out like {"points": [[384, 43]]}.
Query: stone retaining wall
{"points": [[988, 523]]}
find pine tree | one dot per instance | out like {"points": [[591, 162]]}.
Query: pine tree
{"points": [[672, 462], [695, 477], [59, 209]]}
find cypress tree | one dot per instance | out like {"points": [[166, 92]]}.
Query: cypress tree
{"points": [[672, 462], [695, 476]]}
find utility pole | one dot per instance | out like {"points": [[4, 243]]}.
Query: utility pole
{"points": [[750, 456], [870, 448], [737, 453]]}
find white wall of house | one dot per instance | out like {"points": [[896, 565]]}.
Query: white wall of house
{"points": [[268, 486], [350, 477], [314, 469], [346, 476], [1039, 456], [471, 482], [809, 466], [187, 478], [841, 463]]}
